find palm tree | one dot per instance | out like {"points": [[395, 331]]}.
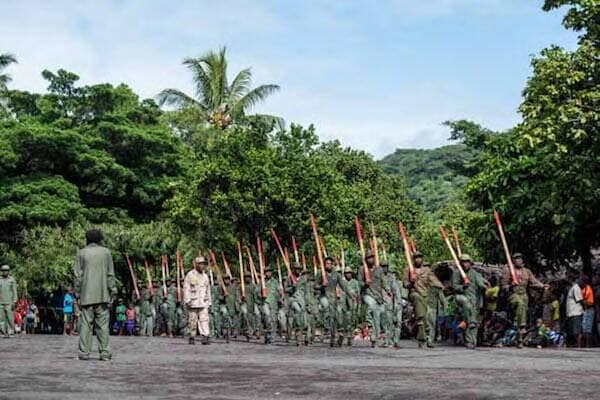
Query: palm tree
{"points": [[221, 103], [5, 60]]}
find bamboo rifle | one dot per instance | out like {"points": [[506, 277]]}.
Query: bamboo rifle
{"points": [[412, 275], [133, 278], [454, 257], [361, 245], [511, 267], [313, 223]]}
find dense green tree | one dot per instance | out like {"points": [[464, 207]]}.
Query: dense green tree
{"points": [[251, 181], [542, 175], [216, 100], [433, 177], [44, 262], [92, 153]]}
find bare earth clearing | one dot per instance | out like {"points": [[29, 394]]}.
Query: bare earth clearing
{"points": [[45, 367]]}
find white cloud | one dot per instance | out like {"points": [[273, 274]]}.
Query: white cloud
{"points": [[317, 52]]}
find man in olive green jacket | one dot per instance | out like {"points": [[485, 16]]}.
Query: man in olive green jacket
{"points": [[94, 284], [8, 298], [468, 297]]}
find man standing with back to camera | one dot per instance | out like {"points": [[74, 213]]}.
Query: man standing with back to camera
{"points": [[94, 284]]}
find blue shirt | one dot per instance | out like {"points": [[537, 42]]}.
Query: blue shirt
{"points": [[68, 304]]}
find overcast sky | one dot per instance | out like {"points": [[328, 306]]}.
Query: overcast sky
{"points": [[377, 75]]}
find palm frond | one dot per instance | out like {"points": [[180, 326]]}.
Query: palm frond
{"points": [[174, 97], [215, 67], [201, 79], [255, 96], [240, 85], [6, 59]]}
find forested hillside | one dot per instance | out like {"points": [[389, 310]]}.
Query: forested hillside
{"points": [[433, 177]]}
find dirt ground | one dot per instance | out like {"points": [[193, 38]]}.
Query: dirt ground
{"points": [[45, 367]]}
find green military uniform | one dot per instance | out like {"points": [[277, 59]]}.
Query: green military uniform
{"points": [[228, 306], [215, 311], [373, 297], [331, 311], [95, 283], [436, 304], [167, 309], [265, 305], [247, 305], [518, 298], [313, 291], [181, 320], [393, 310], [8, 298], [297, 306], [147, 312], [276, 306], [350, 304], [419, 293], [157, 300], [469, 297]]}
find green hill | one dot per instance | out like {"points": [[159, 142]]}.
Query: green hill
{"points": [[434, 177]]}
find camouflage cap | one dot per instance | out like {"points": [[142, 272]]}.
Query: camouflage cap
{"points": [[5, 267], [465, 257], [417, 254], [517, 255]]}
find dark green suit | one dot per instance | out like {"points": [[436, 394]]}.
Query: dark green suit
{"points": [[94, 283]]}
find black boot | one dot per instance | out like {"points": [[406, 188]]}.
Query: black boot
{"points": [[192, 340], [205, 340]]}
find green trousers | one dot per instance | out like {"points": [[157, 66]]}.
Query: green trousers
{"points": [[226, 318], [518, 303], [94, 317], [266, 317], [420, 308], [349, 313], [7, 319], [147, 325], [471, 314], [391, 323], [374, 313]]}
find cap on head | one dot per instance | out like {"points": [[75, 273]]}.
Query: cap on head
{"points": [[417, 254], [5, 267], [329, 258], [369, 255], [200, 260], [465, 257], [517, 255], [348, 271]]}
